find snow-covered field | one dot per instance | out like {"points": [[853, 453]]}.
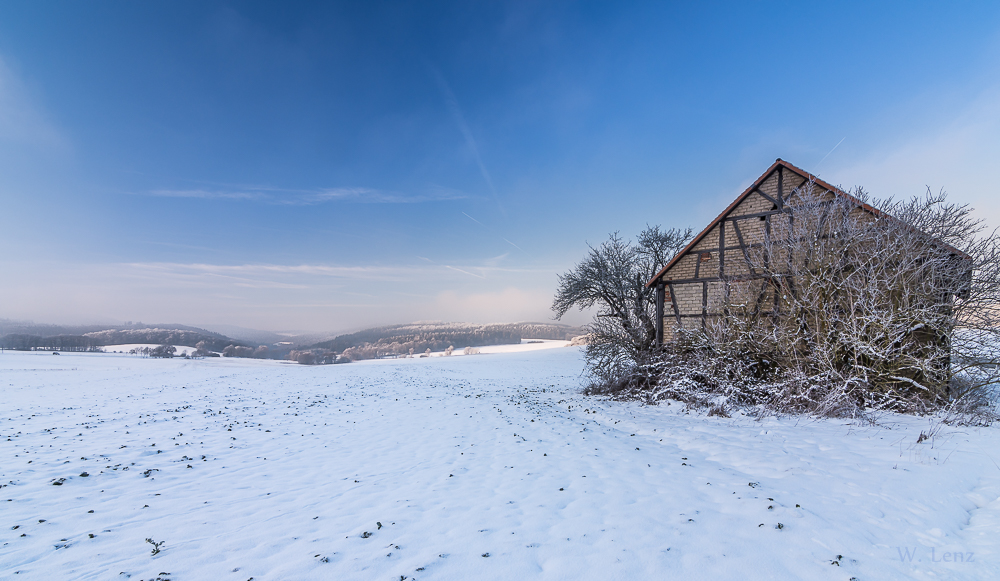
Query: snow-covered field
{"points": [[181, 349], [488, 467], [524, 345]]}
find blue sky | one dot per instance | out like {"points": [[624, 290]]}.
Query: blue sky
{"points": [[329, 166]]}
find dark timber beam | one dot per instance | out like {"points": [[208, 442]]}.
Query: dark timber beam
{"points": [[781, 177], [767, 239], [733, 278], [796, 189], [760, 297], [758, 214], [743, 247], [722, 249], [660, 299], [673, 302], [704, 303], [769, 198]]}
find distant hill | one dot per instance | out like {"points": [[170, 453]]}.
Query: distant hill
{"points": [[249, 336], [28, 335], [270, 338], [363, 344], [213, 341], [438, 336]]}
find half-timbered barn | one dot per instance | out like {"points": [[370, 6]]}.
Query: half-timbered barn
{"points": [[692, 287]]}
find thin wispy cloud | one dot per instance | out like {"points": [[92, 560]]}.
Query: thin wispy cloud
{"points": [[293, 197], [949, 154], [370, 196], [377, 273], [207, 194]]}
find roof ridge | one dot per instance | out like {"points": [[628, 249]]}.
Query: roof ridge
{"points": [[754, 186]]}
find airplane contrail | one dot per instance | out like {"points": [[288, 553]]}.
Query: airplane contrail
{"points": [[512, 244], [465, 271], [474, 220], [831, 151], [463, 127]]}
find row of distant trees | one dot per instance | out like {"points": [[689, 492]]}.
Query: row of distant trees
{"points": [[26, 342], [96, 340], [260, 352], [317, 357], [202, 350], [212, 342]]}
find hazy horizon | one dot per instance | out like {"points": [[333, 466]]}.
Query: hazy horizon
{"points": [[233, 330], [330, 166]]}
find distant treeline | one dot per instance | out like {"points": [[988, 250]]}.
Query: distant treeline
{"points": [[391, 340], [26, 342], [11, 326], [417, 338], [93, 341], [212, 341]]}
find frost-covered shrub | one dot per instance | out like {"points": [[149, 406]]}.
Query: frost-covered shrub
{"points": [[847, 311], [201, 349], [703, 378], [895, 307], [303, 357], [164, 351], [237, 351]]}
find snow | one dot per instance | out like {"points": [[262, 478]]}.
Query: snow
{"points": [[261, 469], [126, 348], [523, 346]]}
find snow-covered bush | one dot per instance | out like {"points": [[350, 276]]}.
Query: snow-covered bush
{"points": [[237, 351], [164, 351], [303, 357], [201, 349], [848, 311]]}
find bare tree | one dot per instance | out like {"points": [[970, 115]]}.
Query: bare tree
{"points": [[613, 278]]}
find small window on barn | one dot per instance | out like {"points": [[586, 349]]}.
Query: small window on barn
{"points": [[773, 208], [706, 256]]}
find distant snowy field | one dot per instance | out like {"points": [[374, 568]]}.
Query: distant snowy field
{"points": [[485, 467], [181, 349]]}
